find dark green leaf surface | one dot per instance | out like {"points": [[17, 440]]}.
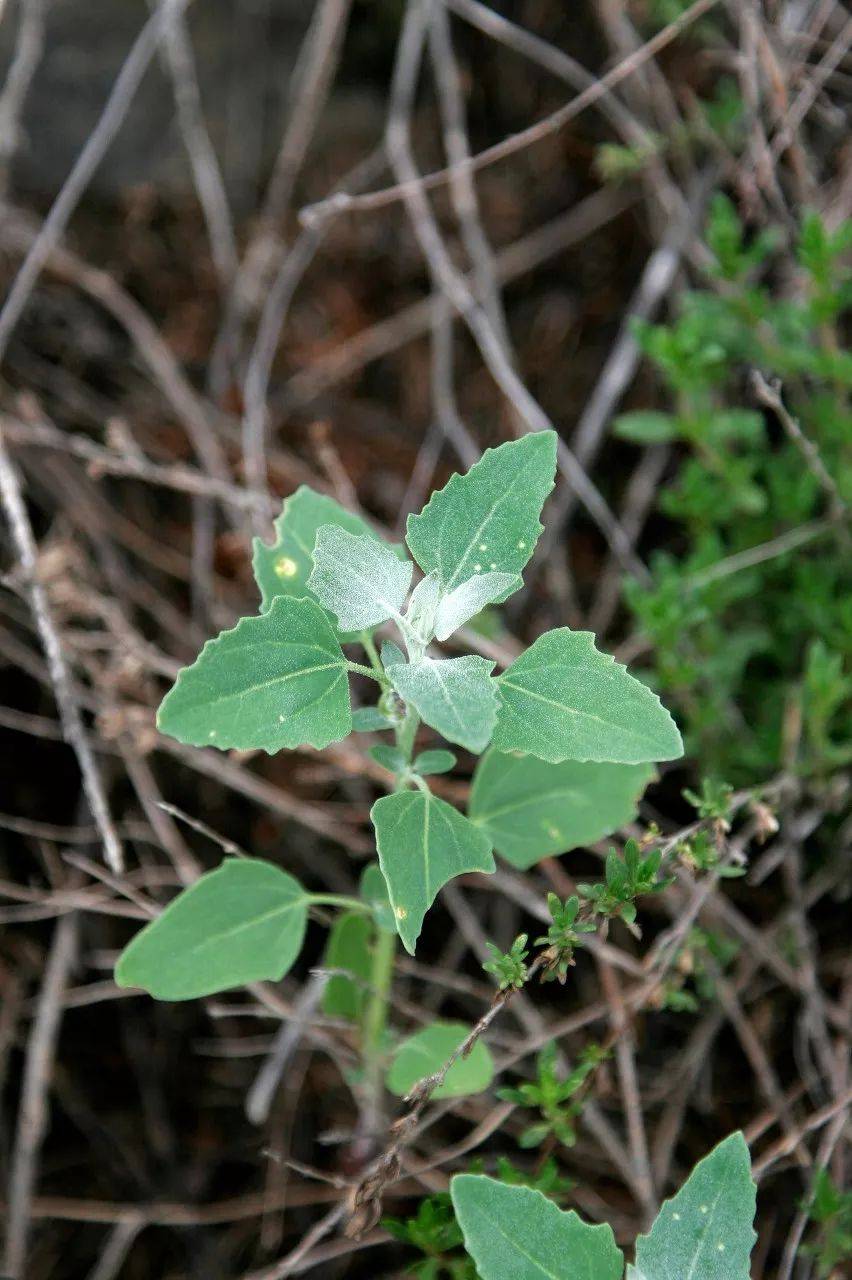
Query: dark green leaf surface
{"points": [[348, 948], [515, 1233], [278, 679], [241, 923], [423, 842], [532, 809], [564, 700], [705, 1232]]}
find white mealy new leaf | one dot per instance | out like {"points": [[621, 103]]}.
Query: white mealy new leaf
{"points": [[420, 615], [487, 519], [456, 696], [466, 601], [705, 1231], [359, 579]]}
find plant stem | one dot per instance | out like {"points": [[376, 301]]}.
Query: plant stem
{"points": [[376, 1012], [339, 900]]}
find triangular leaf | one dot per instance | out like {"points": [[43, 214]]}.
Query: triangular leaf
{"points": [[532, 809], [486, 520], [516, 1233], [565, 700], [470, 598], [282, 568], [241, 923], [705, 1231], [357, 578], [423, 842], [278, 679], [427, 1050], [456, 696]]}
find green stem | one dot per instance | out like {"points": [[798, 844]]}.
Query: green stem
{"points": [[376, 1012], [339, 900], [372, 653], [367, 671]]}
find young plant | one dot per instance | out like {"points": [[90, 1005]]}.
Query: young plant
{"points": [[571, 737], [704, 1232], [558, 1102]]}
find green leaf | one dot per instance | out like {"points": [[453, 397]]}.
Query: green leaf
{"points": [[282, 568], [646, 426], [705, 1231], [427, 1050], [486, 520], [423, 842], [357, 578], [456, 696], [390, 758], [516, 1233], [469, 599], [278, 679], [564, 700], [348, 947], [532, 809], [420, 614], [241, 923], [374, 891], [369, 720], [434, 762]]}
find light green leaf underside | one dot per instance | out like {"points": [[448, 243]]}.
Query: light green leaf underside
{"points": [[348, 947], [565, 700], [278, 679], [486, 520], [357, 578], [374, 891], [282, 568], [241, 923], [456, 696], [532, 809], [427, 1050], [515, 1233], [470, 598], [423, 842], [705, 1232]]}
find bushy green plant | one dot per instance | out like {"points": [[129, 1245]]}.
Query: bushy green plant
{"points": [[751, 623]]}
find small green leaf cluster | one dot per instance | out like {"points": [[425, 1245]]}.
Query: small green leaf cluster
{"points": [[626, 879], [750, 622], [831, 1209], [563, 935], [570, 737], [705, 1231], [558, 1101], [509, 968]]}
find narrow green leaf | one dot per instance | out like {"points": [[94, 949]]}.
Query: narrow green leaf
{"points": [[456, 696], [390, 758], [516, 1233], [357, 578], [470, 598], [437, 761], [423, 842], [487, 520], [705, 1231], [646, 426], [241, 923], [427, 1050], [565, 700], [348, 947], [282, 568], [420, 614], [278, 679], [532, 809]]}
